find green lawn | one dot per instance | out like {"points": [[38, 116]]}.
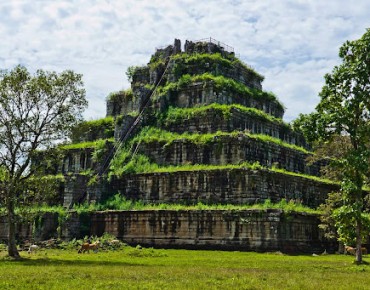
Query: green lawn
{"points": [[131, 268]]}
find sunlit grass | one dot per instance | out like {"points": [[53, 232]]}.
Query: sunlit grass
{"points": [[88, 144], [118, 202], [131, 268]]}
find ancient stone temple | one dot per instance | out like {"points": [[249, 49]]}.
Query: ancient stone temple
{"points": [[196, 126]]}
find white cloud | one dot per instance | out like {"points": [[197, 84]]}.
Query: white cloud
{"points": [[293, 43]]}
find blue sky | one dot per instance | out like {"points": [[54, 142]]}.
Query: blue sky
{"points": [[292, 43]]}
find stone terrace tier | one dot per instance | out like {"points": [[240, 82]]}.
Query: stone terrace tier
{"points": [[211, 119], [206, 93], [197, 58], [185, 64], [229, 149], [127, 102], [245, 230], [236, 186]]}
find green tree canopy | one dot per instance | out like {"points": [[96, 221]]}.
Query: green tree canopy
{"points": [[36, 113], [344, 112]]}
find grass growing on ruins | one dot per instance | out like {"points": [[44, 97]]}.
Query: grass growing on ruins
{"points": [[211, 61], [134, 268], [88, 144], [220, 83], [106, 125], [176, 115], [118, 202], [124, 163], [152, 134]]}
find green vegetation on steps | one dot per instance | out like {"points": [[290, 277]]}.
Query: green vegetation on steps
{"points": [[119, 202], [101, 128], [209, 60], [126, 163], [52, 178], [174, 115], [220, 83], [152, 134], [90, 144], [117, 96]]}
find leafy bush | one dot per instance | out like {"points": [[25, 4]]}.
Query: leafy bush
{"points": [[131, 70], [92, 130], [119, 202], [137, 163], [116, 202]]}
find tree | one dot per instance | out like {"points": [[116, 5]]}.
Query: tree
{"points": [[344, 112], [36, 113]]}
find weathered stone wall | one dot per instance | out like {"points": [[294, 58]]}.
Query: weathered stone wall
{"points": [[205, 94], [41, 229], [22, 230], [224, 150], [76, 160], [75, 189], [236, 186], [235, 72], [79, 189], [126, 124], [126, 104], [213, 120], [89, 131], [207, 46], [245, 230]]}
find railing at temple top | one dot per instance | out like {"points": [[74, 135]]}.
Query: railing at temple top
{"points": [[219, 43], [226, 47]]}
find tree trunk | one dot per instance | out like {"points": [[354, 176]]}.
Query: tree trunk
{"points": [[358, 243], [12, 247], [359, 224]]}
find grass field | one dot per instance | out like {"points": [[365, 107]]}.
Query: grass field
{"points": [[131, 268]]}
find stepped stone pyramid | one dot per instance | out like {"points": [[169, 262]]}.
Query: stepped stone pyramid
{"points": [[195, 126], [207, 93]]}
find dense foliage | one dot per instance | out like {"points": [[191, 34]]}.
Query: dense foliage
{"points": [[36, 112], [344, 112], [93, 130]]}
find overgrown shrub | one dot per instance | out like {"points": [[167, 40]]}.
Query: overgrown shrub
{"points": [[93, 130]]}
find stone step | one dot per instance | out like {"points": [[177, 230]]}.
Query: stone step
{"points": [[229, 149], [225, 186], [215, 119]]}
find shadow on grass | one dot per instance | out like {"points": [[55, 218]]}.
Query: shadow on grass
{"points": [[77, 262]]}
